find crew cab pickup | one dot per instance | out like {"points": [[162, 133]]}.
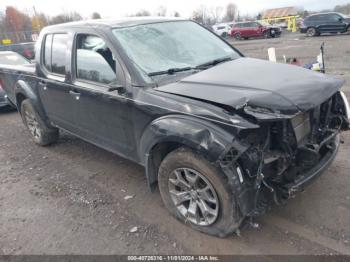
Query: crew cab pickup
{"points": [[221, 135]]}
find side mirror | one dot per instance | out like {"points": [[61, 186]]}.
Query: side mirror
{"points": [[115, 87]]}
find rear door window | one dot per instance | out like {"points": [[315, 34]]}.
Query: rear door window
{"points": [[333, 18], [58, 53], [55, 49], [47, 52]]}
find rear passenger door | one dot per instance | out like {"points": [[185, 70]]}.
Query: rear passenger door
{"points": [[54, 87], [256, 30], [102, 115], [249, 29]]}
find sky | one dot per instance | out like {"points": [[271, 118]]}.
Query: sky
{"points": [[119, 8]]}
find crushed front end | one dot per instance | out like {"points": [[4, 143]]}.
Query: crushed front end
{"points": [[286, 154]]}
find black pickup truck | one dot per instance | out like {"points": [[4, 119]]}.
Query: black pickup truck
{"points": [[222, 135]]}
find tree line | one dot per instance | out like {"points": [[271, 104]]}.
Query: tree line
{"points": [[20, 26]]}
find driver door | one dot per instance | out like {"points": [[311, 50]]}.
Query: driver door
{"points": [[103, 115]]}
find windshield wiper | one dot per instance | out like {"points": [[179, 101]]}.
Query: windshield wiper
{"points": [[170, 71], [213, 62]]}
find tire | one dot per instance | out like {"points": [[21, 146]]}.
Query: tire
{"points": [[273, 35], [311, 32], [237, 36], [266, 34], [41, 133], [224, 35], [227, 216]]}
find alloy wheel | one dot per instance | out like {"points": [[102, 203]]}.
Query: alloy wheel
{"points": [[32, 124], [194, 196], [311, 32], [238, 36]]}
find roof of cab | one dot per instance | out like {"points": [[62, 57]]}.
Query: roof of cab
{"points": [[121, 22]]}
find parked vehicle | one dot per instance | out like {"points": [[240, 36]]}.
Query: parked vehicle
{"points": [[222, 30], [315, 25], [25, 49], [12, 58], [9, 58], [3, 97], [245, 30], [220, 134]]}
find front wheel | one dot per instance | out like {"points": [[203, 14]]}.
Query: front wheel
{"points": [[196, 193], [41, 133]]}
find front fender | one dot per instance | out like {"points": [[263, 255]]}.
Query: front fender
{"points": [[209, 140], [200, 135]]}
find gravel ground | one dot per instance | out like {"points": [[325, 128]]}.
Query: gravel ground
{"points": [[69, 198]]}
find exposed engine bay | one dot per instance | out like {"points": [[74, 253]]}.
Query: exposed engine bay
{"points": [[285, 155]]}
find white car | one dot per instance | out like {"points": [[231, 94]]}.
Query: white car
{"points": [[222, 29]]}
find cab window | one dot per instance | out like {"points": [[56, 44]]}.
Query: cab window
{"points": [[47, 52], [58, 53], [55, 53]]}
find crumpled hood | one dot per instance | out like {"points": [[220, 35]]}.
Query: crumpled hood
{"points": [[280, 88]]}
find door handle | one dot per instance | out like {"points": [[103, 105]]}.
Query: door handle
{"points": [[43, 83], [75, 94]]}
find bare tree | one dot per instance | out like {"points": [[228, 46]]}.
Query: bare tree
{"points": [[95, 15], [231, 12], [345, 9], [65, 17], [199, 15], [216, 14], [161, 11], [142, 13]]}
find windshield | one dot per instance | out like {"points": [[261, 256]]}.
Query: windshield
{"points": [[178, 44]]}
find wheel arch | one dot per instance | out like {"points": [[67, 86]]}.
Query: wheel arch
{"points": [[168, 133], [24, 91]]}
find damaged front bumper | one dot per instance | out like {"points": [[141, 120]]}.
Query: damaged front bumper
{"points": [[286, 155], [310, 176]]}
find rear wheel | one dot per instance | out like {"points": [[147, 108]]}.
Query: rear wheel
{"points": [[224, 35], [41, 133], [311, 32], [196, 193]]}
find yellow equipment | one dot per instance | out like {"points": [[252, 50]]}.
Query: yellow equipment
{"points": [[290, 20]]}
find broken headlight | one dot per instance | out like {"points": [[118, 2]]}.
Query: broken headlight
{"points": [[346, 104]]}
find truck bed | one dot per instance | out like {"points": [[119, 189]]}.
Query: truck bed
{"points": [[10, 74]]}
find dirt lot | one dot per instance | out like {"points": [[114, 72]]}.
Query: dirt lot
{"points": [[69, 198]]}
